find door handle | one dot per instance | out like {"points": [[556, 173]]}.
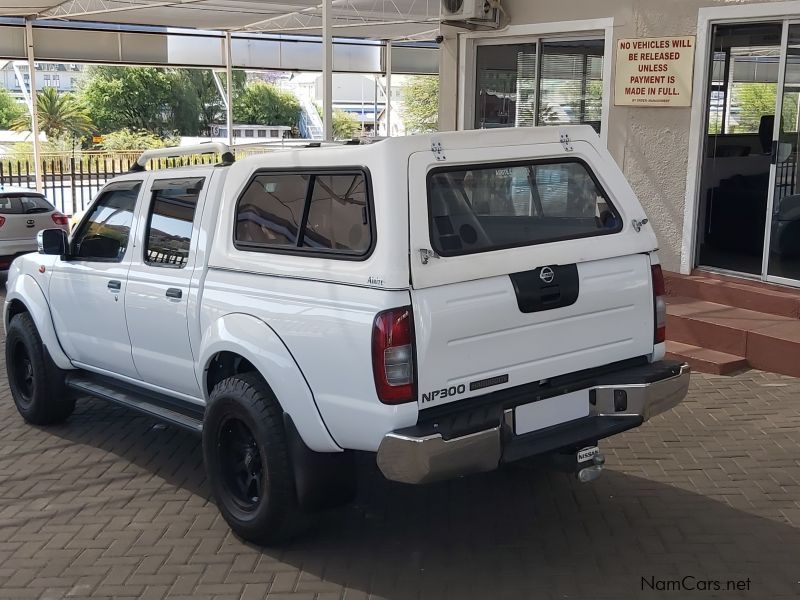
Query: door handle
{"points": [[114, 285], [174, 293]]}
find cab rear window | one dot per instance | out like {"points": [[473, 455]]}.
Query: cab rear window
{"points": [[480, 208], [23, 204]]}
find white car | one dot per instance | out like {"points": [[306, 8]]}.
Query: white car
{"points": [[448, 303], [23, 214]]}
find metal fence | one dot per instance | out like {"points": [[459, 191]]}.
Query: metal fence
{"points": [[70, 183]]}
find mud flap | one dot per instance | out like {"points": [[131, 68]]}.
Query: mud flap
{"points": [[322, 479]]}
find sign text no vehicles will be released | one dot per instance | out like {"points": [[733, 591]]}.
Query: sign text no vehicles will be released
{"points": [[654, 71]]}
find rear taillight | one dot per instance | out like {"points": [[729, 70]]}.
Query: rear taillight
{"points": [[2, 221], [393, 355], [59, 219], [660, 303]]}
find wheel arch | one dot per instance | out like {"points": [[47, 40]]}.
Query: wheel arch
{"points": [[25, 295], [238, 343]]}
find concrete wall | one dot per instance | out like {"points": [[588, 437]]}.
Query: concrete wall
{"points": [[650, 144]]}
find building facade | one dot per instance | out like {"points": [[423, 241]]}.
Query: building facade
{"points": [[716, 170], [61, 76], [363, 95]]}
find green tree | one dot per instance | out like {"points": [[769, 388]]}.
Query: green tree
{"points": [[140, 98], [751, 101], [200, 83], [59, 115], [157, 100], [10, 109], [345, 124], [261, 103], [128, 139], [421, 104]]}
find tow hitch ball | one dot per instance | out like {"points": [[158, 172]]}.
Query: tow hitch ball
{"points": [[590, 464]]}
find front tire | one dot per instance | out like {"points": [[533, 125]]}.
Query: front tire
{"points": [[37, 385], [247, 460]]}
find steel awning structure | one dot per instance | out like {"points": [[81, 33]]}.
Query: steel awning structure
{"points": [[366, 19], [106, 31]]}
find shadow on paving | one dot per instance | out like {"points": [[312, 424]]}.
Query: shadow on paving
{"points": [[515, 533]]}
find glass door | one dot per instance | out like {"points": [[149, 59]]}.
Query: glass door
{"points": [[782, 250], [737, 159]]}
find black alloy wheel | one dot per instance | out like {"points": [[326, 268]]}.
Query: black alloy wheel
{"points": [[36, 383], [240, 459], [22, 374], [247, 460]]}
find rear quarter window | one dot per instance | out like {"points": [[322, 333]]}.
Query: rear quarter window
{"points": [[310, 212], [480, 208]]}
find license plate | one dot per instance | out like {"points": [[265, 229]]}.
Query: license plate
{"points": [[551, 411]]}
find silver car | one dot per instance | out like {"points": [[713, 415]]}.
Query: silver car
{"points": [[23, 213]]}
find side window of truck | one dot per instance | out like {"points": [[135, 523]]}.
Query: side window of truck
{"points": [[307, 212], [481, 208], [103, 235], [169, 225], [270, 211], [338, 214]]}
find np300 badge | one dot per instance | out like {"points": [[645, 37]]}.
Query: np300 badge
{"points": [[453, 390]]}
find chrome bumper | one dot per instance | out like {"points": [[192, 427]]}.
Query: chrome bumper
{"points": [[421, 459]]}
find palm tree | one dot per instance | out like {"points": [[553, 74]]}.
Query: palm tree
{"points": [[58, 114]]}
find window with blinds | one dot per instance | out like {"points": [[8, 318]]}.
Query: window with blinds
{"points": [[544, 83], [526, 89], [504, 92], [571, 83]]}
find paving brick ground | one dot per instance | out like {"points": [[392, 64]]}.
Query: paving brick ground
{"points": [[111, 504]]}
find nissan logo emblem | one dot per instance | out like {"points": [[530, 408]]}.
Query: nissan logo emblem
{"points": [[547, 275]]}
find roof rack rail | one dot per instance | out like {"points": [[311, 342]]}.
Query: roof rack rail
{"points": [[175, 151]]}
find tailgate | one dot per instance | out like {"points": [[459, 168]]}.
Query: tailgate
{"points": [[25, 216], [538, 271]]}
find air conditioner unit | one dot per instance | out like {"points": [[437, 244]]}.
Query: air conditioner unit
{"points": [[481, 11]]}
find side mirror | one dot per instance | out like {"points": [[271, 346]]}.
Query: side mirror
{"points": [[52, 242]]}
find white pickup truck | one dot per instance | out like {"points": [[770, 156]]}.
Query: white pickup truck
{"points": [[448, 303]]}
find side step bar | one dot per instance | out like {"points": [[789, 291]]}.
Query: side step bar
{"points": [[161, 407]]}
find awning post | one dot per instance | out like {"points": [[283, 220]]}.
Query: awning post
{"points": [[33, 106], [388, 88], [327, 71], [229, 89]]}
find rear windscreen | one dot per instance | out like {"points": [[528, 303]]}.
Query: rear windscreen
{"points": [[23, 204], [484, 207]]}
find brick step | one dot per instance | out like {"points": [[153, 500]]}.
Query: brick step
{"points": [[704, 360], [739, 293], [752, 281], [768, 342]]}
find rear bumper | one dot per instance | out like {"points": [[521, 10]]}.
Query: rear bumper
{"points": [[618, 401], [15, 247], [11, 249]]}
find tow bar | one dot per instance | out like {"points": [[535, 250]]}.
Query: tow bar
{"points": [[594, 470], [587, 464]]}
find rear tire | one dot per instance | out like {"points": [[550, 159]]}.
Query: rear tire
{"points": [[247, 460], [37, 385]]}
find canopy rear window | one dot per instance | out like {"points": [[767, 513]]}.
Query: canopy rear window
{"points": [[480, 208]]}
